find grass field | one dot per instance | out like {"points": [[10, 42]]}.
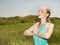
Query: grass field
{"points": [[13, 34]]}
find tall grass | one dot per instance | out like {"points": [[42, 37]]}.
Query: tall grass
{"points": [[13, 34]]}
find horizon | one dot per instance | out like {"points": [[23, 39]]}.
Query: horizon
{"points": [[25, 16]]}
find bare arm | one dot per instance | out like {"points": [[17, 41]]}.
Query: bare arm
{"points": [[49, 31], [29, 31], [48, 34]]}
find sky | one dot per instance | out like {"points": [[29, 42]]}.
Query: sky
{"points": [[11, 8]]}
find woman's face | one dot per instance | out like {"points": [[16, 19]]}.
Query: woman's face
{"points": [[42, 13]]}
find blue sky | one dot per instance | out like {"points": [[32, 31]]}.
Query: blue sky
{"points": [[10, 8]]}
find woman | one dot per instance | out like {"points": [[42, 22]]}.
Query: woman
{"points": [[41, 31]]}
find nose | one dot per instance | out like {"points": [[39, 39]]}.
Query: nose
{"points": [[38, 13]]}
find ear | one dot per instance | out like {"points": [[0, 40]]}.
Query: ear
{"points": [[47, 14]]}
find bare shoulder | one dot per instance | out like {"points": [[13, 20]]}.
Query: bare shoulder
{"points": [[35, 24], [51, 24]]}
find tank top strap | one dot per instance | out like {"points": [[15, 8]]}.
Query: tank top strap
{"points": [[46, 24], [43, 25]]}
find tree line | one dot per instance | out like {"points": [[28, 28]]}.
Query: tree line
{"points": [[25, 19]]}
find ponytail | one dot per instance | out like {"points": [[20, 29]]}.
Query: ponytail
{"points": [[48, 18]]}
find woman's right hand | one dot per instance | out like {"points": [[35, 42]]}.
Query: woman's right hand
{"points": [[29, 31]]}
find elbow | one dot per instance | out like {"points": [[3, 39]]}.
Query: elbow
{"points": [[27, 34], [24, 33], [47, 37]]}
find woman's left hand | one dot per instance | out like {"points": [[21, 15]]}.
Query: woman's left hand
{"points": [[36, 31]]}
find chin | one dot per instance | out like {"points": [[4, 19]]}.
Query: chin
{"points": [[39, 16]]}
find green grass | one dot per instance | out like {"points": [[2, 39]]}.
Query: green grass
{"points": [[13, 34]]}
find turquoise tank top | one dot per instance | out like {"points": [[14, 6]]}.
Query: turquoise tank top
{"points": [[39, 40]]}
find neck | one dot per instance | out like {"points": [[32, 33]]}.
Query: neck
{"points": [[43, 20]]}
